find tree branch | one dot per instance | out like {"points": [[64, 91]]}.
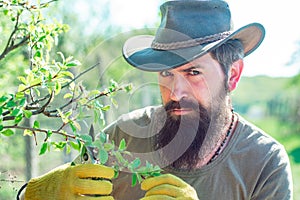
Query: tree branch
{"points": [[10, 43], [41, 131]]}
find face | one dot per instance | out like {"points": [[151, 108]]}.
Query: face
{"points": [[199, 81], [195, 99]]}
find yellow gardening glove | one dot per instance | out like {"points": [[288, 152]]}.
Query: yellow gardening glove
{"points": [[80, 182], [167, 187]]}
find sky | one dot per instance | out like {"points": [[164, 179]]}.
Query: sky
{"points": [[280, 19]]}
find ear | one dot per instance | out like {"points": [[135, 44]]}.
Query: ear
{"points": [[235, 74]]}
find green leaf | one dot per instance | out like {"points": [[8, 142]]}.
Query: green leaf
{"points": [[86, 138], [67, 73], [136, 163], [20, 95], [103, 156], [94, 93], [42, 38], [75, 146], [1, 127], [108, 146], [68, 96], [72, 127], [11, 104], [128, 88], [114, 102], [122, 145], [68, 149], [73, 63], [6, 11], [105, 108], [22, 100], [15, 112], [22, 87], [3, 99], [36, 124], [22, 79], [139, 177], [97, 144], [49, 133], [113, 83], [83, 151], [43, 148], [38, 54], [62, 56], [134, 179], [102, 137], [27, 113], [59, 145], [18, 118], [57, 88], [27, 132], [35, 82], [8, 132]]}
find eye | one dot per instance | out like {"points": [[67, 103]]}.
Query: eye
{"points": [[165, 73], [194, 72]]}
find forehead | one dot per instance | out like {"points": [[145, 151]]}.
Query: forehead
{"points": [[203, 62]]}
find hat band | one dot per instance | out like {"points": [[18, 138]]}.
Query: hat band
{"points": [[189, 43]]}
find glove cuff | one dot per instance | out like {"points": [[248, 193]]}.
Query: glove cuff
{"points": [[43, 187], [34, 188]]}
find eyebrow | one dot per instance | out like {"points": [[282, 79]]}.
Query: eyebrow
{"points": [[192, 68]]}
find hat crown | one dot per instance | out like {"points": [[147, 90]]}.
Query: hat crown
{"points": [[184, 20], [189, 29]]}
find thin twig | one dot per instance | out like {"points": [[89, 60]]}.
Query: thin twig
{"points": [[42, 109], [82, 73], [10, 43], [40, 130], [66, 85]]}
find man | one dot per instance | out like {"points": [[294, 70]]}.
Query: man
{"points": [[207, 151]]}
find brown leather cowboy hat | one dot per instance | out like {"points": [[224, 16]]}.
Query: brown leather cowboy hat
{"points": [[189, 29]]}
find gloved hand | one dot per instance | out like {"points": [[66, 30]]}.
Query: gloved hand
{"points": [[84, 181], [167, 186]]}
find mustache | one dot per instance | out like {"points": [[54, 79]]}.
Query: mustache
{"points": [[183, 103]]}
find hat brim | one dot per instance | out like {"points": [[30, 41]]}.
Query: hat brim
{"points": [[137, 50]]}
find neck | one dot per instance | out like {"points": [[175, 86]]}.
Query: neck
{"points": [[222, 142]]}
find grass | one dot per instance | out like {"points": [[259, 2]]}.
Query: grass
{"points": [[291, 142]]}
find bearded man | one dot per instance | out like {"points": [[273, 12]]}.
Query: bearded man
{"points": [[206, 150]]}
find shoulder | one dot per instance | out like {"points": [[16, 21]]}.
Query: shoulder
{"points": [[136, 127], [140, 117], [258, 146], [265, 157], [249, 132]]}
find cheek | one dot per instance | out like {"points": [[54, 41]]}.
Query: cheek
{"points": [[199, 91], [165, 94], [202, 94], [207, 91]]}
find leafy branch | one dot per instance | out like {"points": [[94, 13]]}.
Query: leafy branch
{"points": [[50, 89], [117, 156], [15, 10]]}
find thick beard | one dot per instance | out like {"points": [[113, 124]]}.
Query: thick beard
{"points": [[182, 137]]}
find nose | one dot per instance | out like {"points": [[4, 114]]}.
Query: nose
{"points": [[179, 88]]}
